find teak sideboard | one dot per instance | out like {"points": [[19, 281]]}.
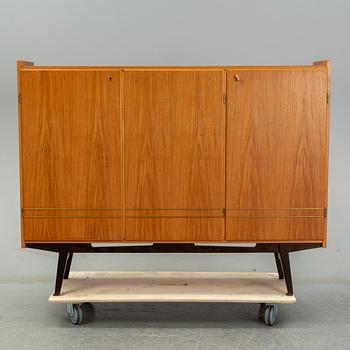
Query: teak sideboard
{"points": [[174, 156]]}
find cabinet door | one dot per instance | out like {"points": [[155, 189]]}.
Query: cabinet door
{"points": [[276, 160], [174, 155], [71, 155]]}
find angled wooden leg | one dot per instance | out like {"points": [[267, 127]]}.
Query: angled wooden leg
{"points": [[61, 265], [68, 265], [279, 266], [287, 270]]}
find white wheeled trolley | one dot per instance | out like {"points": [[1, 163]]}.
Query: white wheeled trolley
{"points": [[265, 289]]}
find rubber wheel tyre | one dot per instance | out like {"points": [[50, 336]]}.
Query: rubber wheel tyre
{"points": [[270, 314], [75, 313]]}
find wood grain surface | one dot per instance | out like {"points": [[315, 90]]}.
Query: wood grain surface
{"points": [[276, 152], [153, 154], [72, 152], [174, 151]]}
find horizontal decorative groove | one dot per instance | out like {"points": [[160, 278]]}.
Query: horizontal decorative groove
{"points": [[174, 217], [270, 213], [71, 213], [71, 209], [118, 213], [72, 217], [275, 217], [174, 213], [275, 208], [174, 209], [178, 213]]}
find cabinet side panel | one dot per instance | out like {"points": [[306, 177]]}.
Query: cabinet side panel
{"points": [[71, 152], [326, 64], [277, 150], [20, 65]]}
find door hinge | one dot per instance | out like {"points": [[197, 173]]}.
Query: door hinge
{"points": [[19, 98], [225, 98], [327, 98]]}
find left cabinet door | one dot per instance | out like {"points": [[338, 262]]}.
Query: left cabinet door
{"points": [[71, 156]]}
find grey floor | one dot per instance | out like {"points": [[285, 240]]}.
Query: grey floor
{"points": [[319, 320]]}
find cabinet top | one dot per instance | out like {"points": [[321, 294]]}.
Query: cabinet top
{"points": [[319, 65]]}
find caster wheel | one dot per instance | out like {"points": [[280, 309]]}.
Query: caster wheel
{"points": [[75, 313], [270, 314], [262, 309]]}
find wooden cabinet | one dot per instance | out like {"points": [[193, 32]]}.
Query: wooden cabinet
{"points": [[173, 154]]}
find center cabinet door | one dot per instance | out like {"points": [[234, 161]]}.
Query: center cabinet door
{"points": [[174, 155]]}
